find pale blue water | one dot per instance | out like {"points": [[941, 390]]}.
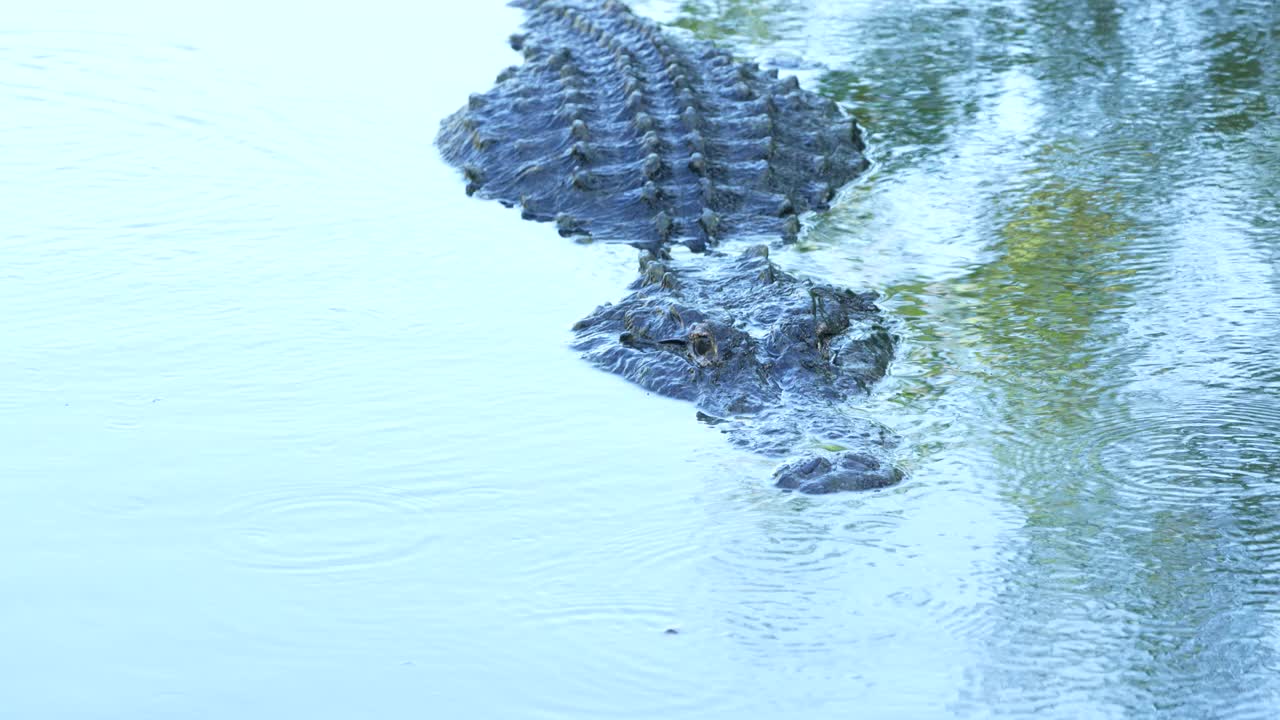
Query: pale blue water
{"points": [[289, 426]]}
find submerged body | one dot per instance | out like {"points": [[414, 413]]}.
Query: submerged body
{"points": [[614, 130]]}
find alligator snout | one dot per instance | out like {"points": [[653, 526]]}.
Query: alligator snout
{"points": [[819, 475]]}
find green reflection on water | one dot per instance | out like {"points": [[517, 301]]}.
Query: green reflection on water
{"points": [[735, 19], [1105, 344], [1059, 271]]}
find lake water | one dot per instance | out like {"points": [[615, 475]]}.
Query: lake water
{"points": [[289, 426]]}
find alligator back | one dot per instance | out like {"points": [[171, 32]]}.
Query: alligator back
{"points": [[616, 130]]}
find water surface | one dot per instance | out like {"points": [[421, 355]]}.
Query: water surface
{"points": [[290, 426]]}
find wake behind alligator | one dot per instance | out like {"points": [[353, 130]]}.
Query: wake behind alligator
{"points": [[617, 131]]}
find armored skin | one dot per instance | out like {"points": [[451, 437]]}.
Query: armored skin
{"points": [[616, 130]]}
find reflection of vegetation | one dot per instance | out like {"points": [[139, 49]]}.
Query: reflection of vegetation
{"points": [[1049, 307], [1236, 76], [916, 82], [1061, 268], [1168, 598], [755, 22]]}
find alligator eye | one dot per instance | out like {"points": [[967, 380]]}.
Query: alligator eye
{"points": [[703, 345]]}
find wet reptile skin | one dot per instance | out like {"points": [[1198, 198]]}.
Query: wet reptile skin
{"points": [[619, 131]]}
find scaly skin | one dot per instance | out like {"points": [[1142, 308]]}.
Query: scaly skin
{"points": [[770, 359], [615, 130]]}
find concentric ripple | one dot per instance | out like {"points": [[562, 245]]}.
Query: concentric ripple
{"points": [[311, 529]]}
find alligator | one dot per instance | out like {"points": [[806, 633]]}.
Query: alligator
{"points": [[618, 130]]}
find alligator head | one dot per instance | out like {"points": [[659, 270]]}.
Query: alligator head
{"points": [[769, 358]]}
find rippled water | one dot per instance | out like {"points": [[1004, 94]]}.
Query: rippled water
{"points": [[290, 426]]}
